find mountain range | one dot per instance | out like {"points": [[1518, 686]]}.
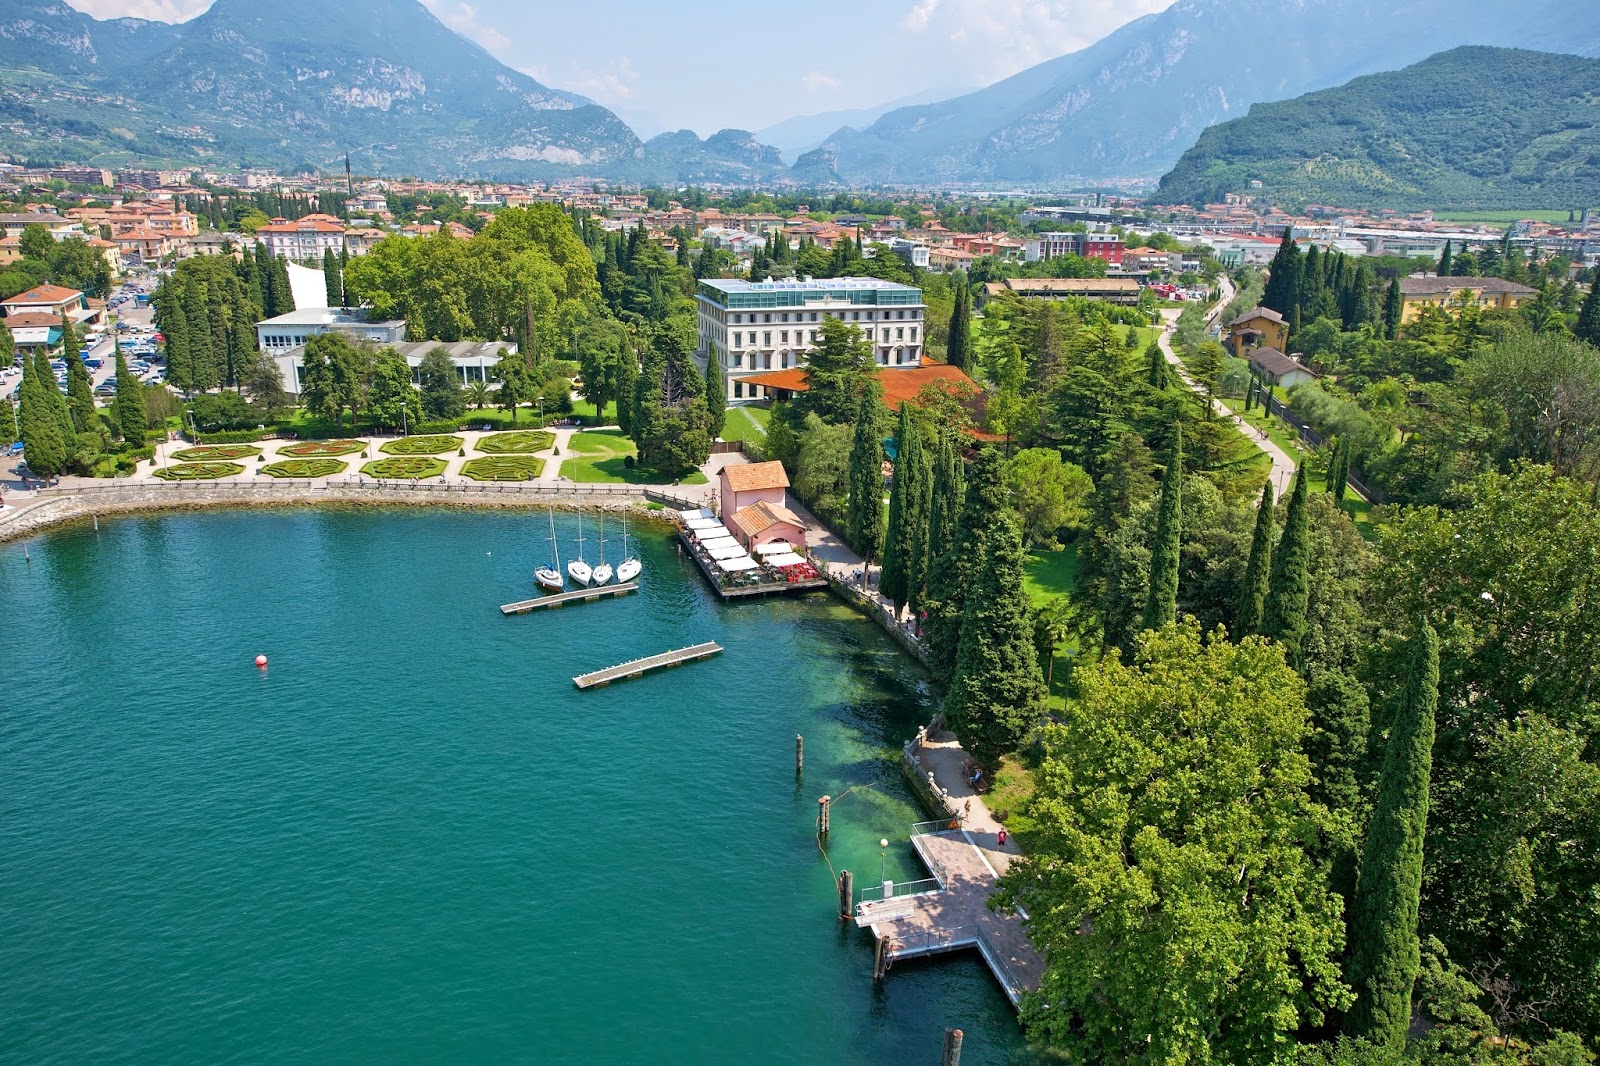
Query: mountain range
{"points": [[1473, 128], [298, 84]]}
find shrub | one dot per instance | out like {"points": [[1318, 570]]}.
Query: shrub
{"points": [[523, 441], [321, 449], [216, 451], [304, 468], [198, 471], [422, 445], [503, 468], [241, 436], [411, 466]]}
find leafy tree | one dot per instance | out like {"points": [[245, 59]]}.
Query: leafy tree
{"points": [[35, 242], [1179, 912], [1283, 615], [129, 405], [1049, 495], [1385, 955], [392, 400], [997, 692], [1161, 602], [264, 380], [442, 396], [838, 370], [1546, 388], [1283, 282], [716, 397], [1253, 589], [864, 521]]}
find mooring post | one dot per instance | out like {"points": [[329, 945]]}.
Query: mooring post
{"points": [[799, 754], [822, 815], [880, 959], [847, 894], [952, 1048]]}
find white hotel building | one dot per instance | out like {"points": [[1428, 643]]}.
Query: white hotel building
{"points": [[753, 326]]}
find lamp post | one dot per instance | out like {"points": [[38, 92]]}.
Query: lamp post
{"points": [[883, 851], [541, 410]]}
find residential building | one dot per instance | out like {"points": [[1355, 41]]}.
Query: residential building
{"points": [[276, 336], [82, 176], [10, 249], [53, 300], [942, 257], [1123, 291], [914, 252], [304, 238], [14, 222], [1106, 246], [770, 325], [1275, 368], [145, 245], [359, 241], [32, 330], [1259, 327], [1454, 293], [747, 484]]}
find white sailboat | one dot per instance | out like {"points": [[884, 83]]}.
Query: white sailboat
{"points": [[579, 570], [629, 568], [549, 577], [602, 570]]}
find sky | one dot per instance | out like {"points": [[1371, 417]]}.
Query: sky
{"points": [[749, 64]]}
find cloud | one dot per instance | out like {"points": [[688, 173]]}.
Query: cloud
{"points": [[614, 81], [816, 81], [155, 10], [918, 17], [463, 18], [994, 39]]}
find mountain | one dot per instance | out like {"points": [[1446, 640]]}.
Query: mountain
{"points": [[727, 157], [796, 136], [294, 83], [1472, 128], [1129, 105]]}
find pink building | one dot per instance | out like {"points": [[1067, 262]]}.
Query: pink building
{"points": [[762, 523], [752, 483]]}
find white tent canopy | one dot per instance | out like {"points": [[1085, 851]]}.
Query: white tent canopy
{"points": [[732, 551], [712, 532], [712, 544], [702, 522], [785, 559], [698, 512], [735, 565], [776, 547]]}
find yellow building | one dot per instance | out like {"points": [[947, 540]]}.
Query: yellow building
{"points": [[1453, 293], [1259, 327]]}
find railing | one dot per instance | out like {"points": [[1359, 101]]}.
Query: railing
{"points": [[459, 488], [939, 940], [1001, 968], [936, 825], [900, 889]]}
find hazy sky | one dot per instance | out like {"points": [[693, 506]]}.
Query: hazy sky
{"points": [[717, 63]]}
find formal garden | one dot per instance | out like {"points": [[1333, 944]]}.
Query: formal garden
{"points": [[211, 452], [322, 449], [413, 466], [199, 471], [292, 468], [521, 442], [427, 444], [503, 468]]}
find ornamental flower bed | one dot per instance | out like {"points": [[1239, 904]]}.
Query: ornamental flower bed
{"points": [[503, 468], [411, 467], [198, 471], [209, 452], [519, 441], [322, 448], [304, 468], [424, 445]]}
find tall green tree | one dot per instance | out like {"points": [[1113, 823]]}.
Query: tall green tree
{"points": [[264, 380], [1283, 616], [864, 518], [43, 446], [332, 284], [1445, 264], [80, 388], [907, 517], [1385, 956], [982, 494], [442, 396], [626, 370], [393, 402], [1156, 374], [716, 397], [1161, 602], [1257, 571], [1392, 310], [129, 404], [997, 693], [1282, 293], [958, 351], [56, 403], [1588, 327]]}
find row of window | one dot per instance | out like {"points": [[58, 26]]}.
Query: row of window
{"points": [[900, 334], [784, 360], [281, 340], [800, 316]]}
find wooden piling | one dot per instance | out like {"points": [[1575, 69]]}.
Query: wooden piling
{"points": [[880, 959], [822, 815], [847, 895], [952, 1048], [799, 754]]}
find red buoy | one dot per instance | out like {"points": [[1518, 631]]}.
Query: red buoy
{"points": [[261, 661]]}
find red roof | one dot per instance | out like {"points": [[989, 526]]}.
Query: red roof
{"points": [[46, 294], [754, 476]]}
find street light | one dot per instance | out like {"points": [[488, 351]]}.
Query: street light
{"points": [[541, 410], [883, 850]]}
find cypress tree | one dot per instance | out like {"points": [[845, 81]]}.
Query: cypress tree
{"points": [[1161, 603], [958, 348], [1253, 589], [330, 279], [1445, 261], [1155, 366], [56, 403], [716, 397], [864, 515], [1588, 328], [1391, 310], [1283, 615], [997, 693], [129, 405], [627, 377], [42, 445], [1282, 293], [918, 553], [80, 389], [1385, 956], [905, 514], [950, 575]]}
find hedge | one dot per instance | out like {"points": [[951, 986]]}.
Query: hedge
{"points": [[198, 471], [304, 468], [216, 451], [518, 441], [236, 436], [435, 444], [322, 449], [414, 466], [503, 468]]}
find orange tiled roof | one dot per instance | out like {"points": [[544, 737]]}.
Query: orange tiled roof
{"points": [[757, 518], [32, 318], [45, 294], [754, 476]]}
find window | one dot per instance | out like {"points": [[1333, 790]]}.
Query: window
{"points": [[813, 336], [886, 334], [766, 337], [738, 338], [738, 390], [913, 334], [738, 359], [783, 337], [813, 316], [769, 318], [900, 333]]}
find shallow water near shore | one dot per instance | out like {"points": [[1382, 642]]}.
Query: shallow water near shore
{"points": [[410, 838]]}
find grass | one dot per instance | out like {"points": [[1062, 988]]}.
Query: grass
{"points": [[304, 468], [601, 457], [412, 467], [1048, 575], [1009, 796], [208, 452], [746, 423], [425, 445], [322, 449], [503, 468], [198, 471], [524, 441], [1499, 216], [586, 411]]}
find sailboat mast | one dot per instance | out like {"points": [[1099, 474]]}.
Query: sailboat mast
{"points": [[555, 552]]}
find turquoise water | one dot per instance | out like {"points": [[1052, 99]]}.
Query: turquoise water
{"points": [[411, 838]]}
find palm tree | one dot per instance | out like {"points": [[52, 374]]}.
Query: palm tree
{"points": [[478, 394], [1052, 626]]}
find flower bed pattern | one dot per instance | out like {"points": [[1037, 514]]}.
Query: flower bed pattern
{"points": [[322, 449], [520, 442], [425, 445], [409, 467], [304, 468], [198, 471], [210, 452], [503, 468]]}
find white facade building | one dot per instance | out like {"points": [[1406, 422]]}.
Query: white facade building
{"points": [[751, 326], [278, 335]]}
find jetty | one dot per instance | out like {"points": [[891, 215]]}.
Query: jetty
{"points": [[561, 599], [752, 583], [639, 667], [949, 911]]}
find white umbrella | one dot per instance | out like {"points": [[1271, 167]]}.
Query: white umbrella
{"points": [[733, 566], [727, 551], [706, 522], [716, 542], [697, 512], [787, 559], [776, 547]]}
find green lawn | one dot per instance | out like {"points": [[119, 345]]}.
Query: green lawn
{"points": [[585, 410], [600, 457], [746, 423], [1499, 216], [1048, 575]]}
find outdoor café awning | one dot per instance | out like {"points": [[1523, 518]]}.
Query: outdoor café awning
{"points": [[698, 512], [712, 533], [719, 542], [731, 551], [785, 559], [734, 566], [701, 522], [776, 547]]}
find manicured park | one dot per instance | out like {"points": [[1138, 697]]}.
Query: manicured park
{"points": [[212, 452], [428, 444], [308, 449], [602, 457], [414, 466], [503, 468], [198, 471], [521, 442], [290, 468]]}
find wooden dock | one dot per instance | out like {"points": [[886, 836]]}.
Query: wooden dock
{"points": [[768, 587], [950, 913], [639, 667], [561, 599]]}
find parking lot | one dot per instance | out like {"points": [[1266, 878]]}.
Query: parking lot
{"points": [[133, 324]]}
